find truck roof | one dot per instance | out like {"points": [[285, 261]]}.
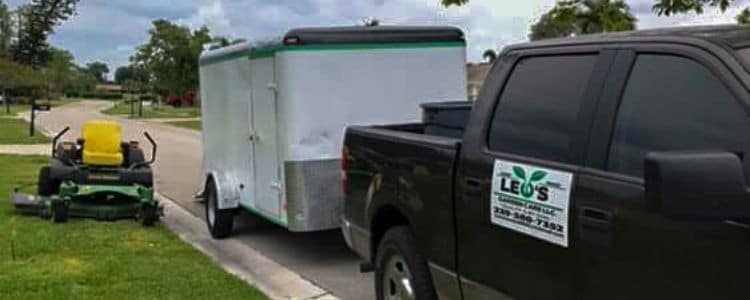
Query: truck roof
{"points": [[732, 36]]}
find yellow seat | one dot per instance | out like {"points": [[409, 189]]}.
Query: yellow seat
{"points": [[101, 143]]}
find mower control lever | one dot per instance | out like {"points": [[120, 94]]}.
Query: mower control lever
{"points": [[57, 137], [153, 152]]}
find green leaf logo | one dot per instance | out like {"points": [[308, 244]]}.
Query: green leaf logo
{"points": [[537, 176], [519, 172]]}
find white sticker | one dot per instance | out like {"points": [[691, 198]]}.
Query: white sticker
{"points": [[531, 200]]}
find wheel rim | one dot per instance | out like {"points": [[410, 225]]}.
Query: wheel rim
{"points": [[397, 279], [211, 209]]}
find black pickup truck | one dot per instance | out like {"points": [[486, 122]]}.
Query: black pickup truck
{"points": [[597, 167]]}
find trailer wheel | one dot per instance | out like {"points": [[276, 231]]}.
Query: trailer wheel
{"points": [[400, 271], [58, 212], [46, 186], [219, 221]]}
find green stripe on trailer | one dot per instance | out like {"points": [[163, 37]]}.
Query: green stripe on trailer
{"points": [[272, 50], [265, 215]]}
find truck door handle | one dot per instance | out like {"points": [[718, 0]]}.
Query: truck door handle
{"points": [[596, 226]]}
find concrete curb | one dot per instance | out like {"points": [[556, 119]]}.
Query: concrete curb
{"points": [[273, 279]]}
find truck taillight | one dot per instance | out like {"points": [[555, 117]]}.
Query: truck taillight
{"points": [[344, 168]]}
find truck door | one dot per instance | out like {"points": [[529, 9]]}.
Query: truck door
{"points": [[267, 184], [660, 100], [517, 175]]}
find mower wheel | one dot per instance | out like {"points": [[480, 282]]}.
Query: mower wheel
{"points": [[149, 215], [219, 221], [46, 186], [58, 212]]}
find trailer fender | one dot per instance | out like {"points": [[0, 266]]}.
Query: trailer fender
{"points": [[227, 189]]}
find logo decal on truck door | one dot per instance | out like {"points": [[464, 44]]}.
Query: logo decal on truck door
{"points": [[531, 200]]}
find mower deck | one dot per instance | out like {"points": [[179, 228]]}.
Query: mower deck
{"points": [[101, 202]]}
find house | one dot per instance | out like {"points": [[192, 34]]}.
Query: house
{"points": [[476, 73]]}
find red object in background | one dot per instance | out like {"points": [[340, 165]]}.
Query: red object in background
{"points": [[174, 100], [189, 99]]}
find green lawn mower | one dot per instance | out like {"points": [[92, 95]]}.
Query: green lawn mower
{"points": [[98, 176]]}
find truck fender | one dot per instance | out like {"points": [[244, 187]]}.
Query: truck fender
{"points": [[227, 189]]}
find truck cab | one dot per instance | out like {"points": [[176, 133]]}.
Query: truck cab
{"points": [[598, 167]]}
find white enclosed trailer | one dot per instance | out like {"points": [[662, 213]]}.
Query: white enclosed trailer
{"points": [[274, 116]]}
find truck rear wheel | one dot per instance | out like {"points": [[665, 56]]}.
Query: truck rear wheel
{"points": [[219, 221], [400, 271]]}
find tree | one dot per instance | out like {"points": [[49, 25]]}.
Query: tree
{"points": [[170, 57], [447, 3], [669, 7], [371, 22], [575, 17], [132, 78], [17, 78], [98, 69], [6, 30], [36, 21], [743, 17], [123, 73], [490, 55], [59, 71]]}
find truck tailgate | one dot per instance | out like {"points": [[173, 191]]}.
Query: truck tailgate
{"points": [[407, 171]]}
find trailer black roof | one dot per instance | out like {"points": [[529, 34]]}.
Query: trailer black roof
{"points": [[375, 34], [733, 36]]}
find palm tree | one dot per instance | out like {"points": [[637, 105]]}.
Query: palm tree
{"points": [[490, 55]]}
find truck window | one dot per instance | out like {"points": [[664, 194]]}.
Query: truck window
{"points": [[538, 108], [674, 103]]}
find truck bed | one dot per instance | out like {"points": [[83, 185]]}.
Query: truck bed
{"points": [[400, 166]]}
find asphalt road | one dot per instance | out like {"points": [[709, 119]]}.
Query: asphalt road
{"points": [[320, 257]]}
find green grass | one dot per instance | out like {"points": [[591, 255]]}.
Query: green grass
{"points": [[155, 111], [191, 124], [86, 259], [16, 131]]}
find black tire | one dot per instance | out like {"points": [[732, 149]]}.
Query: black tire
{"points": [[149, 215], [219, 221], [58, 212], [397, 250], [46, 186]]}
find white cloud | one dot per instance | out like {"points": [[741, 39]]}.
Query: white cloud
{"points": [[214, 17], [110, 30]]}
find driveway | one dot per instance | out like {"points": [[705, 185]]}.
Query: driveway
{"points": [[320, 257]]}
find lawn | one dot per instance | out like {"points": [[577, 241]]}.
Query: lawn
{"points": [[16, 131], [191, 124], [85, 259], [155, 111], [17, 108]]}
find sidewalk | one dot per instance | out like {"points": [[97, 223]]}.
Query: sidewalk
{"points": [[37, 149]]}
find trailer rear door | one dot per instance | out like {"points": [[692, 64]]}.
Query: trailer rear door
{"points": [[267, 183]]}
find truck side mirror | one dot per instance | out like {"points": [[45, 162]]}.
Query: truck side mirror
{"points": [[697, 185]]}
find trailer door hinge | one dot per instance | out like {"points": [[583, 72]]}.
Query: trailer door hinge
{"points": [[273, 86], [276, 185]]}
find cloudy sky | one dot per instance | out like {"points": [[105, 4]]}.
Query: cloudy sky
{"points": [[109, 30]]}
